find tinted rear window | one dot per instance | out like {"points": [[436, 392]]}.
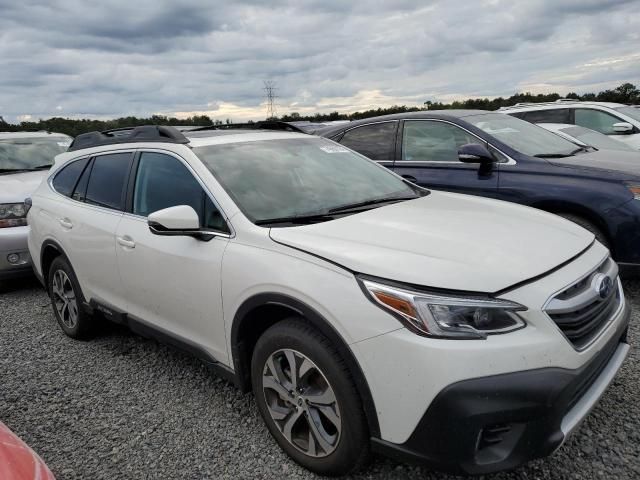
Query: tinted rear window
{"points": [[107, 182], [376, 141]]}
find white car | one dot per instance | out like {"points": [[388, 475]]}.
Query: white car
{"points": [[616, 120], [25, 158], [363, 311], [586, 137]]}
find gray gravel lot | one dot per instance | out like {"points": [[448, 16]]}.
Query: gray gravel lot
{"points": [[121, 406]]}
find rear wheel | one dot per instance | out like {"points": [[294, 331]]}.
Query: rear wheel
{"points": [[66, 299], [307, 398], [587, 225]]}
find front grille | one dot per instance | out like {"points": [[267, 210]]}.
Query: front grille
{"points": [[582, 310]]}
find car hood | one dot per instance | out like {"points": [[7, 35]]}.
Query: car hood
{"points": [[15, 187], [444, 240], [625, 164]]}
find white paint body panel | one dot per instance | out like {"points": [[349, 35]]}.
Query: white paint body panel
{"points": [[194, 289]]}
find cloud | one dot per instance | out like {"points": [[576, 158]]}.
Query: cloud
{"points": [[117, 58]]}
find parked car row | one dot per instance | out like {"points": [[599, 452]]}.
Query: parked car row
{"points": [[365, 311]]}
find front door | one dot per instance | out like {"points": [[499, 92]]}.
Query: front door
{"points": [[172, 283], [429, 157]]}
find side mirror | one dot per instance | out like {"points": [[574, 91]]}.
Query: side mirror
{"points": [[622, 127], [475, 153], [180, 220]]}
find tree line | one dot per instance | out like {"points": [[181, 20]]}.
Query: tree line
{"points": [[625, 93]]}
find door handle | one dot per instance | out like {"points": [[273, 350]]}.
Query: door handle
{"points": [[411, 178], [65, 223], [126, 241]]}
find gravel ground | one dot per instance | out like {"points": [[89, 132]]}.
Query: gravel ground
{"points": [[121, 406]]}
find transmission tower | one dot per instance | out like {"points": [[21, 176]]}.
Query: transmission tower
{"points": [[270, 94]]}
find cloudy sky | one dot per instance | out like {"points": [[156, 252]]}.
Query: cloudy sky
{"points": [[137, 57]]}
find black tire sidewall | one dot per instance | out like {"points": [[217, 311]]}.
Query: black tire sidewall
{"points": [[83, 326], [353, 446]]}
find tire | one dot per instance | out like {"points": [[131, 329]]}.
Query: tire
{"points": [[67, 299], [328, 431], [587, 225]]}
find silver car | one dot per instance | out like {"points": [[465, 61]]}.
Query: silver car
{"points": [[25, 158]]}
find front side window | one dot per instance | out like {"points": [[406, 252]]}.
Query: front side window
{"points": [[522, 136], [633, 112], [431, 141], [299, 176], [32, 153], [107, 183], [376, 141], [596, 120], [65, 180], [162, 181]]}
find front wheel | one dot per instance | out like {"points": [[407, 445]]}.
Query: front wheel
{"points": [[307, 398]]}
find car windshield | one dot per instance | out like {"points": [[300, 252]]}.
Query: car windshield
{"points": [[595, 139], [300, 177], [522, 136], [632, 112], [30, 153]]}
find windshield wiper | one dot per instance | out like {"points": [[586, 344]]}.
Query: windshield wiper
{"points": [[366, 203], [22, 170], [561, 155], [300, 219]]}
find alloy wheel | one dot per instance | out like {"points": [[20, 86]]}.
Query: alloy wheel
{"points": [[64, 299], [302, 403]]}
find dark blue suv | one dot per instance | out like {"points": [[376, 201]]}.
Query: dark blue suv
{"points": [[499, 156]]}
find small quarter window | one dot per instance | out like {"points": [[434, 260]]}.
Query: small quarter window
{"points": [[65, 180]]}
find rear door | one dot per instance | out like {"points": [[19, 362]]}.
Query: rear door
{"points": [[87, 218], [428, 156]]}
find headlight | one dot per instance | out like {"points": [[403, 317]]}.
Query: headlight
{"points": [[12, 215], [446, 316], [634, 188]]}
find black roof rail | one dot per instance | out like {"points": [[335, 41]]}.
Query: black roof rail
{"points": [[262, 125], [146, 133]]}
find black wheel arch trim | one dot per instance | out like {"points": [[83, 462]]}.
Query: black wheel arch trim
{"points": [[239, 354], [49, 243]]}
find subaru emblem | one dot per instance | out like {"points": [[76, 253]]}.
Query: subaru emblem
{"points": [[602, 284]]}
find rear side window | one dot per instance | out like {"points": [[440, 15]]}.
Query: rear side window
{"points": [[558, 115], [163, 181], [376, 141], [65, 180], [106, 186]]}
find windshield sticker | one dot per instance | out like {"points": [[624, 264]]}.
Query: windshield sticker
{"points": [[333, 149]]}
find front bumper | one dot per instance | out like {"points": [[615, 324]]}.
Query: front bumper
{"points": [[13, 241], [499, 422]]}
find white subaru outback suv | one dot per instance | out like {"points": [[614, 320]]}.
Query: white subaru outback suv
{"points": [[620, 122], [364, 312]]}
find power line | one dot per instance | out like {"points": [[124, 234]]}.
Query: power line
{"points": [[270, 94]]}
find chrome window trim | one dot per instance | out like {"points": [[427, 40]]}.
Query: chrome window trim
{"points": [[113, 211], [509, 162]]}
